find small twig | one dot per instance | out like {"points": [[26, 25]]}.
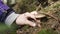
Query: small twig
{"points": [[48, 13], [33, 3], [38, 7]]}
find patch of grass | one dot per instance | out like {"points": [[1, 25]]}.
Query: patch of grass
{"points": [[4, 29], [49, 31]]}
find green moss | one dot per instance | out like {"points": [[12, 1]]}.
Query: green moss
{"points": [[49, 31], [4, 29]]}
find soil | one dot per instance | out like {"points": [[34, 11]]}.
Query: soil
{"points": [[46, 23]]}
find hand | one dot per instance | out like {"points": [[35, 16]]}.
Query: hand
{"points": [[35, 13], [23, 19]]}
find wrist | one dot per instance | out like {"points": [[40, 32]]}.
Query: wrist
{"points": [[11, 18]]}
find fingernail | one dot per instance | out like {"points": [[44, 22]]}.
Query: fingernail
{"points": [[34, 25]]}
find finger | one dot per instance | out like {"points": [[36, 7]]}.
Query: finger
{"points": [[30, 15], [33, 17], [38, 23], [31, 23], [34, 12]]}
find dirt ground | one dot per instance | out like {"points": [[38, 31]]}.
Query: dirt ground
{"points": [[48, 23]]}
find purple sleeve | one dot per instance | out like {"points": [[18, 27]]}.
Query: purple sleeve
{"points": [[2, 5], [4, 11], [7, 15]]}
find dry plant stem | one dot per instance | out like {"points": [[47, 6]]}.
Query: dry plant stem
{"points": [[38, 7], [48, 13], [51, 16], [33, 3]]}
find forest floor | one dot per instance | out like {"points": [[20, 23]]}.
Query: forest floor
{"points": [[49, 24]]}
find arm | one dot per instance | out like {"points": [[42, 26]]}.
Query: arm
{"points": [[7, 14]]}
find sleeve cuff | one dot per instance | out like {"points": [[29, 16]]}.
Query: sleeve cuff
{"points": [[11, 18]]}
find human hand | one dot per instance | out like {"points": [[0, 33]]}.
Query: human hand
{"points": [[23, 19]]}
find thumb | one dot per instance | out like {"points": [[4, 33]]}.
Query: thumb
{"points": [[31, 23]]}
